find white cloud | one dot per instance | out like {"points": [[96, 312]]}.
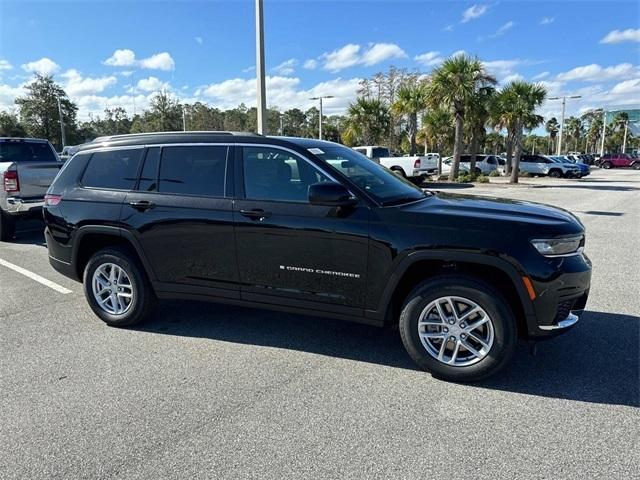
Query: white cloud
{"points": [[503, 29], [473, 12], [121, 58], [5, 65], [249, 69], [126, 73], [286, 68], [382, 51], [127, 58], [8, 94], [595, 72], [547, 20], [619, 36], [198, 40], [627, 87], [429, 58], [151, 84], [343, 57], [503, 68], [350, 55], [283, 92], [77, 86], [448, 28], [159, 61], [310, 64], [540, 76], [511, 78], [44, 66], [458, 52]]}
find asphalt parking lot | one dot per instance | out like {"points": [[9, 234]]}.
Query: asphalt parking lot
{"points": [[211, 391]]}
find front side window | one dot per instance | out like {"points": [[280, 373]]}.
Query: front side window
{"points": [[382, 184], [116, 169], [274, 174], [193, 170]]}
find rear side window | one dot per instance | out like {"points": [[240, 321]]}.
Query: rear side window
{"points": [[20, 151], [193, 170], [149, 174], [116, 169], [380, 152]]}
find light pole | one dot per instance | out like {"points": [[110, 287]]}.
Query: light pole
{"points": [[624, 141], [564, 101], [184, 120], [260, 75], [320, 120], [64, 140]]}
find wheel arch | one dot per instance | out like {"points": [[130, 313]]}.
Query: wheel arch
{"points": [[421, 266], [90, 239]]}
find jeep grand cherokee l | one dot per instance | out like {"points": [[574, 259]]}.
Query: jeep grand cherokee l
{"points": [[313, 227]]}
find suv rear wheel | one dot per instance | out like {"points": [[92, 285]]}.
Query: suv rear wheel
{"points": [[555, 174], [458, 328], [636, 165], [117, 288], [7, 227], [606, 165]]}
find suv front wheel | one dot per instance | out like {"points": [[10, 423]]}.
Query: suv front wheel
{"points": [[458, 328], [117, 288]]}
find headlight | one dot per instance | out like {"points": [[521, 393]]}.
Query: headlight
{"points": [[554, 247]]}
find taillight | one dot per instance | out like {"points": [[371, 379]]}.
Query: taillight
{"points": [[52, 200], [11, 182], [416, 164]]}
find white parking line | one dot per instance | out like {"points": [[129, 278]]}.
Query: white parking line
{"points": [[36, 277]]}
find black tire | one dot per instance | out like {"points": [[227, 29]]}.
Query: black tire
{"points": [[555, 174], [143, 299], [606, 165], [491, 301], [478, 171], [399, 171], [7, 227], [636, 166]]}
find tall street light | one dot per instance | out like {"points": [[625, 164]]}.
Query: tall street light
{"points": [[564, 101], [604, 131], [262, 100], [320, 122], [62, 134]]}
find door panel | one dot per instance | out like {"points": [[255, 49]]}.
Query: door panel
{"points": [[293, 249], [188, 238]]}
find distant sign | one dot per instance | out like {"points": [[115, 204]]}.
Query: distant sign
{"points": [[634, 118]]}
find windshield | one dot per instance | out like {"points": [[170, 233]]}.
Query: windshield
{"points": [[13, 151], [383, 185]]}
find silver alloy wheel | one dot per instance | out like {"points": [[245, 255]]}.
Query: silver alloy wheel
{"points": [[112, 289], [456, 331]]}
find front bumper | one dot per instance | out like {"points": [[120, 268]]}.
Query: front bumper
{"points": [[20, 206], [560, 300]]}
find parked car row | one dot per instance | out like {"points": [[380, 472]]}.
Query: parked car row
{"points": [[537, 165]]}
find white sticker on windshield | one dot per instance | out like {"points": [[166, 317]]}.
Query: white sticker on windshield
{"points": [[315, 151]]}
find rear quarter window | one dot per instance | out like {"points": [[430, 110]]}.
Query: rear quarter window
{"points": [[114, 169]]}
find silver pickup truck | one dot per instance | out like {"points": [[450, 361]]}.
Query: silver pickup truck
{"points": [[27, 168]]}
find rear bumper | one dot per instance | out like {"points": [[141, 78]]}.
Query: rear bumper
{"points": [[20, 206]]}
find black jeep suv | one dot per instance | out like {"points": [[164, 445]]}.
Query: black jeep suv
{"points": [[313, 227]]}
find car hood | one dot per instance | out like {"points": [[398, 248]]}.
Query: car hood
{"points": [[479, 210]]}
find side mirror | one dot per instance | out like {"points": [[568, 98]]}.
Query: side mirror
{"points": [[330, 194]]}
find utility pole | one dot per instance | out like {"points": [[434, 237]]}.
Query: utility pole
{"points": [[320, 119], [281, 124], [624, 141], [260, 75], [184, 120], [64, 139], [564, 101]]}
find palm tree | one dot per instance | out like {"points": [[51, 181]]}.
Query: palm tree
{"points": [[516, 107], [478, 116], [552, 127], [437, 128], [574, 129], [411, 99], [453, 85], [367, 122]]}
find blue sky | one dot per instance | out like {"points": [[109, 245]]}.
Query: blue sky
{"points": [[107, 54]]}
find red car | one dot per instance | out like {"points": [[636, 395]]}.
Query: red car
{"points": [[616, 160]]}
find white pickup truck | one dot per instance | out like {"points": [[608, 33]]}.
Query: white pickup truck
{"points": [[415, 166], [27, 167]]}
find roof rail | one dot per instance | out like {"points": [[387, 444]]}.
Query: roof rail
{"points": [[106, 138]]}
